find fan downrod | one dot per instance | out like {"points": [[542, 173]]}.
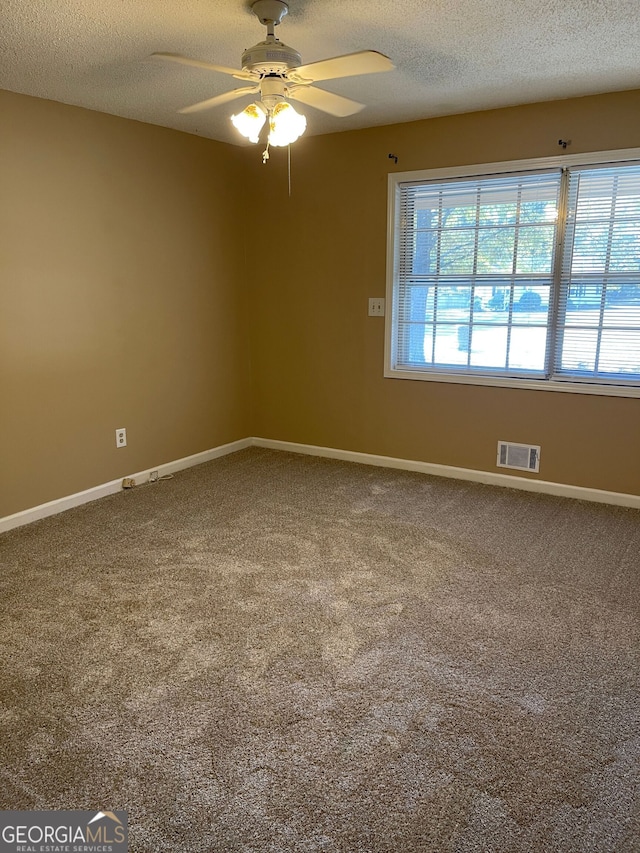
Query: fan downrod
{"points": [[271, 56], [270, 11]]}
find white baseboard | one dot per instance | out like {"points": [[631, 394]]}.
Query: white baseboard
{"points": [[488, 477], [104, 489]]}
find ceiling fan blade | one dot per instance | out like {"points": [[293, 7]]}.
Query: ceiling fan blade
{"points": [[328, 102], [210, 66], [220, 99], [364, 62]]}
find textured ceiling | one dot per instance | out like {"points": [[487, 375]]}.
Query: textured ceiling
{"points": [[451, 56]]}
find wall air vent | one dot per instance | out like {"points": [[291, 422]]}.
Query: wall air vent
{"points": [[524, 457]]}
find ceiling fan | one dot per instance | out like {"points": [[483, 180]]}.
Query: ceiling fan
{"points": [[276, 73]]}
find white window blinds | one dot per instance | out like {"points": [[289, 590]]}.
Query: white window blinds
{"points": [[599, 305], [475, 273], [529, 275]]}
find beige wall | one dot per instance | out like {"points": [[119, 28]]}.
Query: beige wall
{"points": [[319, 358], [120, 300], [125, 300]]}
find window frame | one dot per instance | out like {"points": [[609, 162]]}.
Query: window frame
{"points": [[395, 179]]}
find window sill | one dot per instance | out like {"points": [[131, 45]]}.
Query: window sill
{"points": [[603, 390]]}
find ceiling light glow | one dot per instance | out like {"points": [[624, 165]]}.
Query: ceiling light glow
{"points": [[285, 125], [250, 121]]}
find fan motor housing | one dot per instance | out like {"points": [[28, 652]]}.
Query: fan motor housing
{"points": [[270, 57]]}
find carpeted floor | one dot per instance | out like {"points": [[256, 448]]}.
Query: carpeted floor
{"points": [[274, 653]]}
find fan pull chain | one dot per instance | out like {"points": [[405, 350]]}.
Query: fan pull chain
{"points": [[289, 167]]}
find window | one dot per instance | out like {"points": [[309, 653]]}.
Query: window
{"points": [[528, 278]]}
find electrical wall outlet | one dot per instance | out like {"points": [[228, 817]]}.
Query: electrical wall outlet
{"points": [[376, 307], [121, 437]]}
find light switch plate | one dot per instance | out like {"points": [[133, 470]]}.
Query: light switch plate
{"points": [[376, 307]]}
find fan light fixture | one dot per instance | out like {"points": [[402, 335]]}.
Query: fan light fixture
{"points": [[285, 124], [275, 76], [250, 121]]}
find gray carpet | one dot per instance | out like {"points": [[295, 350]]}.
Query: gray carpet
{"points": [[273, 652]]}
